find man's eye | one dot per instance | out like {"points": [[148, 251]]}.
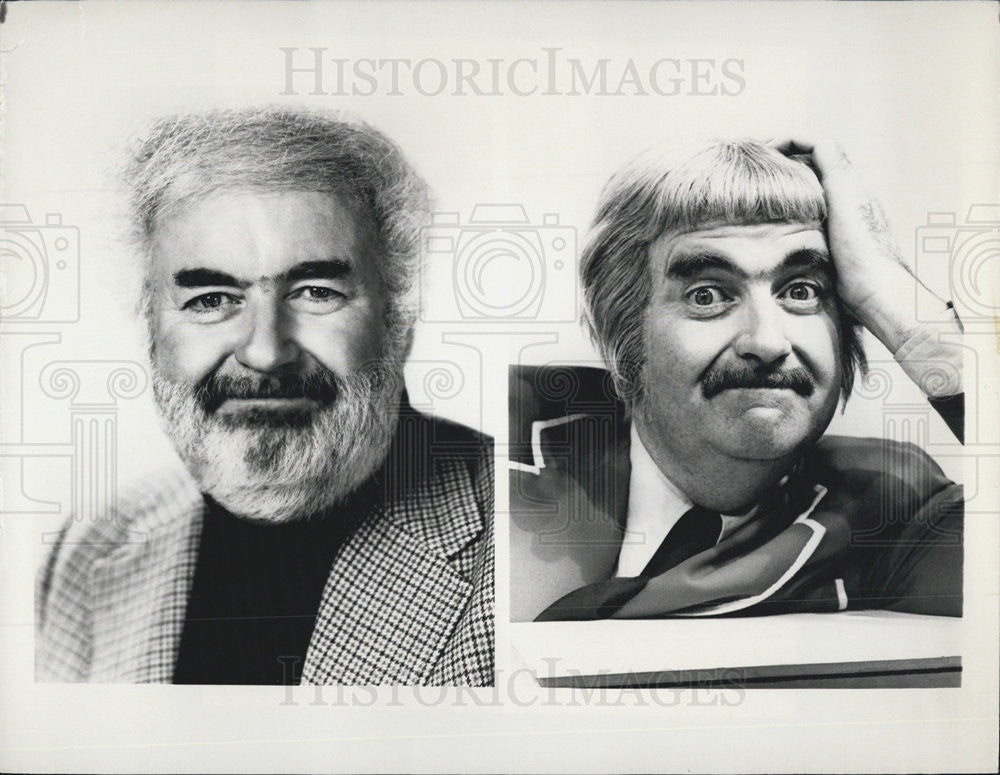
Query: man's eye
{"points": [[323, 296], [318, 292], [802, 292], [707, 296], [209, 301]]}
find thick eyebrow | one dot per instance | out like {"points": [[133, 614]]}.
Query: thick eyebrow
{"points": [[333, 269], [686, 266], [806, 258], [199, 278], [308, 270]]}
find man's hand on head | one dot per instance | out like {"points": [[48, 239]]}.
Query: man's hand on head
{"points": [[873, 279]]}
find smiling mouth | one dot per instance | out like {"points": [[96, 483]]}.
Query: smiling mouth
{"points": [[790, 390], [234, 405]]}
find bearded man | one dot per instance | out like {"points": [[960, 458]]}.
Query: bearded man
{"points": [[323, 530]]}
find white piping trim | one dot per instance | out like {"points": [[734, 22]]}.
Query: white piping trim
{"points": [[841, 594], [818, 532], [538, 462]]}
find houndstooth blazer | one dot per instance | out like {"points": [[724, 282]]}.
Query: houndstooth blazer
{"points": [[409, 597]]}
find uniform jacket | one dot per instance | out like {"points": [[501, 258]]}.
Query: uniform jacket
{"points": [[408, 600], [861, 523]]}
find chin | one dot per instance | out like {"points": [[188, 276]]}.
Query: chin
{"points": [[761, 439], [266, 468], [278, 477], [771, 449], [278, 504]]}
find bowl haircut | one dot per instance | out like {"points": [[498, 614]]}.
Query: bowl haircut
{"points": [[679, 190]]}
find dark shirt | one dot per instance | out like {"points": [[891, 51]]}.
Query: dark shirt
{"points": [[255, 595]]}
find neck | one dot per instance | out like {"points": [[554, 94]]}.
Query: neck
{"points": [[714, 480]]}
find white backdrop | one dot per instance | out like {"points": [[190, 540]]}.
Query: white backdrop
{"points": [[910, 88]]}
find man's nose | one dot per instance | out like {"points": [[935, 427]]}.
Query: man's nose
{"points": [[764, 333], [267, 344]]}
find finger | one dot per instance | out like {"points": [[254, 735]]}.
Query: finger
{"points": [[792, 146], [798, 150]]}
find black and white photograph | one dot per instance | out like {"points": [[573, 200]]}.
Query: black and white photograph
{"points": [[322, 529], [726, 286], [438, 386]]}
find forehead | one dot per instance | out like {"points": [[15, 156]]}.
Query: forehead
{"points": [[752, 248], [256, 234]]}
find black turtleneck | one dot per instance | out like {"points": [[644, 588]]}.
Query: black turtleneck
{"points": [[255, 595], [257, 587]]}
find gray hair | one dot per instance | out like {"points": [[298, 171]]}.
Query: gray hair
{"points": [[679, 190], [181, 159]]}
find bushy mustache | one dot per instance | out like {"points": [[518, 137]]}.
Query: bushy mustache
{"points": [[215, 389], [279, 464], [797, 378]]}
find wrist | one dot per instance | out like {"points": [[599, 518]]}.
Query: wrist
{"points": [[933, 359], [891, 313]]}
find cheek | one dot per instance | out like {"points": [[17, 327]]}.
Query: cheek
{"points": [[678, 351], [818, 339], [186, 354], [341, 346]]}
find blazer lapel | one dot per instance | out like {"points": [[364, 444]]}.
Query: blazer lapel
{"points": [[568, 509], [140, 591], [393, 597]]}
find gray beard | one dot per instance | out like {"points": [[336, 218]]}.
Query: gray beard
{"points": [[275, 473]]}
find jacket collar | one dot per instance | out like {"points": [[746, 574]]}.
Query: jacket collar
{"points": [[585, 476], [395, 592]]}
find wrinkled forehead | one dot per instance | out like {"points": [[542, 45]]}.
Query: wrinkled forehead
{"points": [[256, 233], [188, 193], [752, 248]]}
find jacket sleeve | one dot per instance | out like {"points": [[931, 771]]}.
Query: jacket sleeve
{"points": [[62, 612], [923, 568], [952, 411], [906, 525]]}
